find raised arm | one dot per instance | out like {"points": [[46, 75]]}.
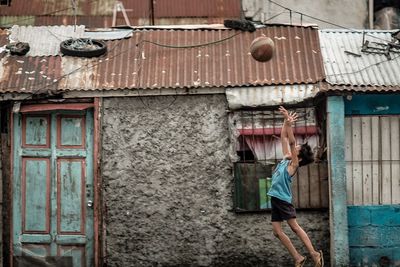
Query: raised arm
{"points": [[288, 140], [284, 135]]}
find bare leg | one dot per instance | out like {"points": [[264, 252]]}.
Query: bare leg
{"points": [[277, 228], [304, 238]]}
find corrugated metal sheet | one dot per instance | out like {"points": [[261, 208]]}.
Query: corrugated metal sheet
{"points": [[136, 63], [113, 34], [135, 8], [245, 97], [45, 41], [329, 87], [368, 69]]}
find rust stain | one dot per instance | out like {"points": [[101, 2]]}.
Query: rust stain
{"points": [[98, 13], [132, 63]]}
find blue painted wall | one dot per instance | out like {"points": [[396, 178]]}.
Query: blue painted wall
{"points": [[372, 104], [374, 231], [374, 235], [337, 176]]}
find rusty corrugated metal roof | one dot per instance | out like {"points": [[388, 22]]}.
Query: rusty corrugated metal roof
{"points": [[345, 64], [98, 13], [136, 63]]}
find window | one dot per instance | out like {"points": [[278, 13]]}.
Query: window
{"points": [[258, 147], [5, 2], [372, 159]]}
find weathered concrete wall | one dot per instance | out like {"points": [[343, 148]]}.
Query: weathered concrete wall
{"points": [[350, 14], [168, 189]]}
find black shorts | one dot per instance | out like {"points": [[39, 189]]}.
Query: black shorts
{"points": [[281, 210]]}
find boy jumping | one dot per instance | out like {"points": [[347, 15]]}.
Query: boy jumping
{"points": [[281, 192]]}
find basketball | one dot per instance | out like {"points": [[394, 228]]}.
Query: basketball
{"points": [[262, 48]]}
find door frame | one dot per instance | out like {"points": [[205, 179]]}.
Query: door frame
{"points": [[97, 183]]}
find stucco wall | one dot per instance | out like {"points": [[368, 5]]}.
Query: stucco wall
{"points": [[168, 189], [350, 14]]}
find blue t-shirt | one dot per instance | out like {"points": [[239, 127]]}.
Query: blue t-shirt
{"points": [[281, 186]]}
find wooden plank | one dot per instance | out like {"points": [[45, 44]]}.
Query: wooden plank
{"points": [[323, 174], [315, 186], [36, 238], [48, 107], [386, 190], [375, 155], [29, 152], [395, 155], [71, 239], [348, 159], [304, 187], [357, 159], [366, 150]]}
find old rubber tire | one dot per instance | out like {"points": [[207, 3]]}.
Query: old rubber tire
{"points": [[66, 50]]}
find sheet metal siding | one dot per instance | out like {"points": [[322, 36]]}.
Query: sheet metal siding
{"points": [[136, 8], [226, 64], [367, 70], [244, 97]]}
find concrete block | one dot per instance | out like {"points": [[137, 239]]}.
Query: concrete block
{"points": [[366, 236], [385, 215], [390, 236], [358, 216]]}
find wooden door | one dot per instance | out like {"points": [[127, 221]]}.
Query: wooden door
{"points": [[53, 189]]}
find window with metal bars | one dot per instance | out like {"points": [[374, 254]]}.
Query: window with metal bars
{"points": [[372, 159], [259, 150]]}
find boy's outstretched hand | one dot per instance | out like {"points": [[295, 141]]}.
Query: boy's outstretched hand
{"points": [[289, 117]]}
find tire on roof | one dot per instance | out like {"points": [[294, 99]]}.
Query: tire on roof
{"points": [[95, 49]]}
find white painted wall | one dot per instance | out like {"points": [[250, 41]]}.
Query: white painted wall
{"points": [[347, 13]]}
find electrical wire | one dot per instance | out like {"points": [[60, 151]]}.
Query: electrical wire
{"points": [[123, 51], [362, 69], [191, 46], [343, 27], [39, 90], [188, 46], [324, 21]]}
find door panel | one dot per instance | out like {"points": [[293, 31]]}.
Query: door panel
{"points": [[36, 207], [36, 131], [53, 187], [70, 191]]}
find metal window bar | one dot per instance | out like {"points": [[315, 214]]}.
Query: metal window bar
{"points": [[373, 159], [255, 123]]}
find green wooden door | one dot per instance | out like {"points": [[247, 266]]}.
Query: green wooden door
{"points": [[53, 188]]}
